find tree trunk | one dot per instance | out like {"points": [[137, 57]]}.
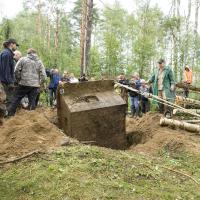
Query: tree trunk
{"points": [[187, 31], [89, 33], [83, 34], [57, 34], [38, 23], [197, 4], [86, 31], [180, 124]]}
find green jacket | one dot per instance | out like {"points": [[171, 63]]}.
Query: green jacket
{"points": [[168, 81]]}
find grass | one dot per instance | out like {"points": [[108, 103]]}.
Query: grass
{"points": [[85, 172]]}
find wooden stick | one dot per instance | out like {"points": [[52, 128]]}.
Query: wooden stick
{"points": [[181, 173], [20, 158]]}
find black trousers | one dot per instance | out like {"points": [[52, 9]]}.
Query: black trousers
{"points": [[52, 95], [20, 93]]}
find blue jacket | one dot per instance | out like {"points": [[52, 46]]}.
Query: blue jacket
{"points": [[7, 66], [136, 86], [54, 81]]}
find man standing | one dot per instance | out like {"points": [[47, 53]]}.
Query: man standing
{"points": [[17, 55], [134, 96], [55, 79], [7, 69], [30, 74], [164, 86], [187, 80], [124, 93]]}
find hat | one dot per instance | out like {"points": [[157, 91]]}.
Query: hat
{"points": [[160, 61], [13, 41], [187, 67]]}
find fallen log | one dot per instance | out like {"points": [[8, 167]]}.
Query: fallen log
{"points": [[184, 100], [192, 121], [177, 111], [180, 124], [190, 87]]}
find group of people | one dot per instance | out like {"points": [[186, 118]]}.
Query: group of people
{"points": [[162, 84], [57, 79], [19, 77], [24, 77], [138, 103]]}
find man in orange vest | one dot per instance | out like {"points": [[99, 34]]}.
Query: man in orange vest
{"points": [[187, 80]]}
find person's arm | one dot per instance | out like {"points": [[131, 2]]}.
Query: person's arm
{"points": [[152, 79], [18, 70], [172, 80], [43, 75]]}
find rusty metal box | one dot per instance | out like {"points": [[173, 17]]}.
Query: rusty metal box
{"points": [[92, 111]]}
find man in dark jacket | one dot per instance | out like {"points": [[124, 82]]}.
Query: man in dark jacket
{"points": [[55, 78], [134, 96], [29, 74], [7, 69]]}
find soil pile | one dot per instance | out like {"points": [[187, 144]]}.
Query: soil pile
{"points": [[29, 131], [149, 137]]}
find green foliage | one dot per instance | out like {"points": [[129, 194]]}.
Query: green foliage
{"points": [[86, 172], [121, 42]]}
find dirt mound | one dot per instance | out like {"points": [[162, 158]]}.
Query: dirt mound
{"points": [[149, 137], [28, 131]]}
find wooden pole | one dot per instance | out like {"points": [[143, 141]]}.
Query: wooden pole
{"points": [[180, 124]]}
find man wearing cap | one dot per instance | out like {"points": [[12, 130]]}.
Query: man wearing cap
{"points": [[7, 68], [187, 80], [164, 85]]}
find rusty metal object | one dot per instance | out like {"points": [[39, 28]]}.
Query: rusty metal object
{"points": [[91, 111]]}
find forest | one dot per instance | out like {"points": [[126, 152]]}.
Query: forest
{"points": [[121, 41], [114, 133]]}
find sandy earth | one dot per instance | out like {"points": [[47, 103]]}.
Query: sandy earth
{"points": [[35, 130], [28, 131], [152, 137]]}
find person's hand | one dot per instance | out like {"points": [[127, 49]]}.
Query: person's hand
{"points": [[172, 88]]}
